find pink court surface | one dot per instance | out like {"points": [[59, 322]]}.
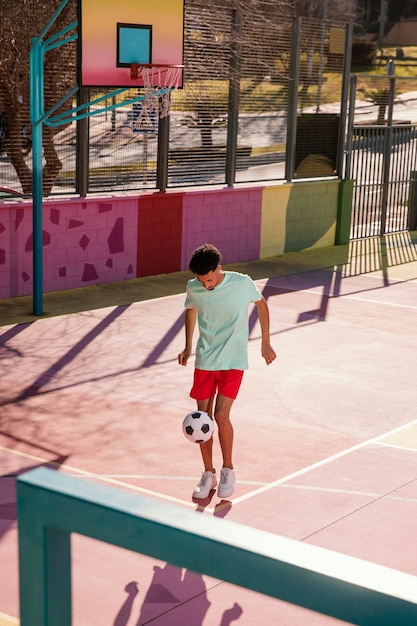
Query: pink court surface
{"points": [[325, 438]]}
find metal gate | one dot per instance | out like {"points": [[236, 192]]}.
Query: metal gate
{"points": [[382, 155]]}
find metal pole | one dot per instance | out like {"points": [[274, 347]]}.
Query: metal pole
{"points": [[162, 157], [323, 32], [36, 86], [293, 101], [387, 157], [36, 104], [382, 22], [83, 152], [234, 94], [344, 99], [351, 119]]}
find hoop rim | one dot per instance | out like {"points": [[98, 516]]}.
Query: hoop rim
{"points": [[167, 75], [174, 65]]}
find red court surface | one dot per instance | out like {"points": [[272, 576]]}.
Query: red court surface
{"points": [[325, 438]]}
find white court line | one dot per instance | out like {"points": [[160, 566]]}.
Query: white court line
{"points": [[350, 492], [321, 463], [349, 297], [397, 446], [168, 478], [251, 494], [8, 619], [112, 481], [396, 304]]}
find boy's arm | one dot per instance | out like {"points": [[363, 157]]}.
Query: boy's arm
{"points": [[189, 325], [268, 352]]}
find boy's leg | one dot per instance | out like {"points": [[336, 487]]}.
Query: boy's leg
{"points": [[225, 428], [227, 475], [208, 480], [206, 448]]}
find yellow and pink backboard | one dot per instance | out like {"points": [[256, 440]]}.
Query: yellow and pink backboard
{"points": [[114, 34]]}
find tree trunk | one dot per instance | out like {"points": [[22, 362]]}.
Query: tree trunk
{"points": [[53, 163], [205, 124], [381, 113], [13, 148]]}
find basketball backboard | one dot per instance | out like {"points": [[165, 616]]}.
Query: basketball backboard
{"points": [[114, 34]]}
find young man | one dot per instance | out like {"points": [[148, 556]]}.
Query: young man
{"points": [[219, 301]]}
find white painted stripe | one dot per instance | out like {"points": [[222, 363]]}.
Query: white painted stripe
{"points": [[7, 620], [92, 476], [321, 463], [397, 446], [347, 296], [263, 489], [348, 492]]}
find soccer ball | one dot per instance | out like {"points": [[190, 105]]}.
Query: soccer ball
{"points": [[198, 426]]}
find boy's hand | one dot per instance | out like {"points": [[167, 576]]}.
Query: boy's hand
{"points": [[184, 356], [269, 354]]}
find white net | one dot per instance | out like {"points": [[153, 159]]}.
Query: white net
{"points": [[158, 81]]}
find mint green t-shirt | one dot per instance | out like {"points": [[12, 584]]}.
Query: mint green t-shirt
{"points": [[222, 315]]}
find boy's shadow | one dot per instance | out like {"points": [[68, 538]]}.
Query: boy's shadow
{"points": [[181, 591], [186, 594]]}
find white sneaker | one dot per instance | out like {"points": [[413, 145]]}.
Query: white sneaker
{"points": [[227, 482], [207, 482]]}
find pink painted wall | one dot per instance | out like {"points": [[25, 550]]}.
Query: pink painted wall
{"points": [[85, 242], [229, 218]]}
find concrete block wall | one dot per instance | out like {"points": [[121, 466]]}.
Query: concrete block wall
{"points": [[84, 242], [230, 218], [91, 241], [298, 216]]}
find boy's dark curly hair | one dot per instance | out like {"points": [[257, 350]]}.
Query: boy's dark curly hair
{"points": [[205, 259]]}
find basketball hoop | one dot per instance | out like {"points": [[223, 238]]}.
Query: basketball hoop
{"points": [[158, 81]]}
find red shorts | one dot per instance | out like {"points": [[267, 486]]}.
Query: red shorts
{"points": [[207, 383]]}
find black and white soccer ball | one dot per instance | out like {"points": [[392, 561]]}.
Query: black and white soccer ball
{"points": [[198, 426]]}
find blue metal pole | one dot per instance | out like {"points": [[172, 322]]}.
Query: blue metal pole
{"points": [[36, 106], [36, 83]]}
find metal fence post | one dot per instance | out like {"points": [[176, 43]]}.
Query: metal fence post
{"points": [[293, 101], [387, 157], [162, 157], [412, 202], [82, 165], [36, 104], [233, 103], [344, 99], [351, 121]]}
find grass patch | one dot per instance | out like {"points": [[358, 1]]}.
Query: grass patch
{"points": [[111, 170], [280, 147]]}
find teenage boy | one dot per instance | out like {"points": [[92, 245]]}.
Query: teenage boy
{"points": [[218, 301]]}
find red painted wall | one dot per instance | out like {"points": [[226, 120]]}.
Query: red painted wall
{"points": [[159, 234]]}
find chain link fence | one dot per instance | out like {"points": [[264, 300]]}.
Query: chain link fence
{"points": [[262, 101]]}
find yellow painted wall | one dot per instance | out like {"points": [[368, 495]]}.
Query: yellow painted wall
{"points": [[298, 216]]}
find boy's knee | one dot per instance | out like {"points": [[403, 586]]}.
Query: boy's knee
{"points": [[221, 418]]}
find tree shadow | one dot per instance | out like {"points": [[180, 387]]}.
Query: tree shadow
{"points": [[45, 377]]}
